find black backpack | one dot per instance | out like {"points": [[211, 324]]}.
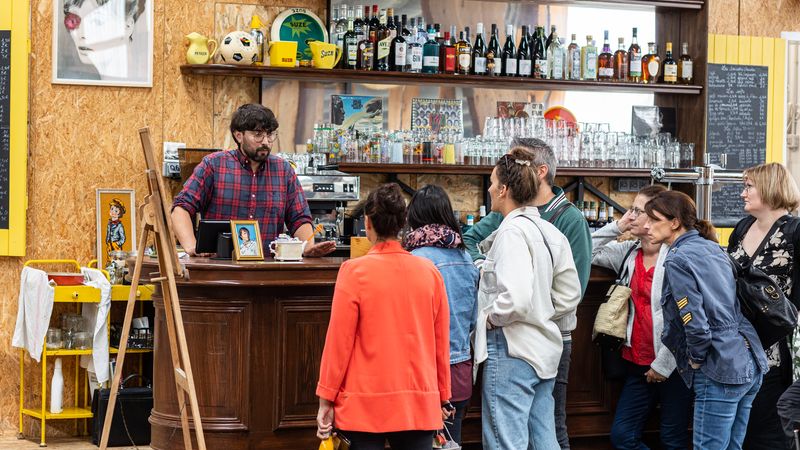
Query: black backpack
{"points": [[761, 300]]}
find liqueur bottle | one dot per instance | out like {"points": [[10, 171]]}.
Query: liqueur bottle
{"points": [[447, 55], [651, 64], [670, 67], [634, 61], [509, 53], [366, 52], [685, 65], [605, 61], [463, 55], [524, 65], [574, 59], [621, 62]]}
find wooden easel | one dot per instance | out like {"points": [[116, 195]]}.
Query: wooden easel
{"points": [[156, 218]]}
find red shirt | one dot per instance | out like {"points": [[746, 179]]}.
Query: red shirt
{"points": [[641, 351]]}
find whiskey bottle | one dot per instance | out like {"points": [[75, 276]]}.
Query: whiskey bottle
{"points": [[605, 62], [479, 53], [589, 60], [524, 55], [574, 59], [555, 58], [685, 65], [634, 61], [621, 62], [670, 68], [651, 64], [463, 55], [509, 53], [494, 62]]}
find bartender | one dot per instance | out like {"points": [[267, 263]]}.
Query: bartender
{"points": [[248, 183]]}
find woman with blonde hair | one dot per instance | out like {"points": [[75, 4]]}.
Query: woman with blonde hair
{"points": [[767, 239]]}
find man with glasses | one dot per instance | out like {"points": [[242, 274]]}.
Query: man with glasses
{"points": [[248, 183]]}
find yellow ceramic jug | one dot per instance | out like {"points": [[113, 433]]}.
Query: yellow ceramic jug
{"points": [[198, 52], [324, 55], [282, 53]]}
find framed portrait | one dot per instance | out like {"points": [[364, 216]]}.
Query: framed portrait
{"points": [[116, 223], [246, 240], [103, 42]]}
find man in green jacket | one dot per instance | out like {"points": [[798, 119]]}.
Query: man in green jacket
{"points": [[555, 208]]}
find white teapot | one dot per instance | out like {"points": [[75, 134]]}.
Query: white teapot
{"points": [[286, 248]]}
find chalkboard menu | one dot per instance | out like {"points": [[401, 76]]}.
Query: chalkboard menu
{"points": [[737, 127], [5, 124]]}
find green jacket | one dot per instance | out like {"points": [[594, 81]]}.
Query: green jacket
{"points": [[571, 222]]}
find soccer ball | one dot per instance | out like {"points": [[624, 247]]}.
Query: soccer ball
{"points": [[238, 47]]}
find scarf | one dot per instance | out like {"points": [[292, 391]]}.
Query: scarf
{"points": [[432, 235]]}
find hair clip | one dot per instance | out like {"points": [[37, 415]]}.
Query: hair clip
{"points": [[522, 162]]}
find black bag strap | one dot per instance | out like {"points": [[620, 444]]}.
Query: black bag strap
{"points": [[560, 210], [738, 231], [544, 239], [624, 263], [793, 225]]}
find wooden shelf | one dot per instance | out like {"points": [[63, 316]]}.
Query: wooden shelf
{"points": [[115, 350], [673, 4], [478, 81], [455, 169]]}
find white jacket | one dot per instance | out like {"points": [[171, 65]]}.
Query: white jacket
{"points": [[523, 291], [608, 252]]}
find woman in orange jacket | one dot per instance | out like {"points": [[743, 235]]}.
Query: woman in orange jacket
{"points": [[385, 371]]}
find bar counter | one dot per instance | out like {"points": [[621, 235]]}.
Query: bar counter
{"points": [[256, 331]]}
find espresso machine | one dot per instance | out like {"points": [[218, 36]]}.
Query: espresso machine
{"points": [[328, 192]]}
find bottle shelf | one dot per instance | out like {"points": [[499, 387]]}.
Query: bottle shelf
{"points": [[67, 413], [477, 81], [456, 169], [673, 4], [115, 350]]}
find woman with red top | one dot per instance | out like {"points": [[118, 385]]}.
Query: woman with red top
{"points": [[385, 370], [651, 376]]}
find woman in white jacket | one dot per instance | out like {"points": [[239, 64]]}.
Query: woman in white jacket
{"points": [[651, 377], [528, 281]]}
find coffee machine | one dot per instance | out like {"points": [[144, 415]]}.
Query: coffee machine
{"points": [[328, 192]]}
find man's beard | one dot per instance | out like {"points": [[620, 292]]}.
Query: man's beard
{"points": [[253, 153]]}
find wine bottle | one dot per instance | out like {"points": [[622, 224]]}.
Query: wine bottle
{"points": [[494, 62], [397, 53], [479, 53], [359, 27], [509, 53], [524, 65], [539, 54], [634, 61]]}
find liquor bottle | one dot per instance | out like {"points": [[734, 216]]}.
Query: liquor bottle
{"points": [[602, 216], [574, 59], [605, 61], [375, 20], [366, 51], [670, 68], [414, 50], [621, 62], [351, 46], [341, 29], [509, 53], [463, 55], [651, 64], [589, 60], [494, 62], [634, 61], [405, 31], [359, 27], [447, 55], [685, 65], [430, 53], [586, 210], [524, 65], [540, 68], [332, 26], [391, 26], [555, 58], [551, 37], [592, 216], [610, 214], [439, 37], [453, 34], [384, 46], [479, 53], [397, 53]]}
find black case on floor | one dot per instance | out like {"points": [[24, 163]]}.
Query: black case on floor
{"points": [[132, 412]]}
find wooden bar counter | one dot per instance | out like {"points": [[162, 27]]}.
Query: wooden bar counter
{"points": [[256, 331]]}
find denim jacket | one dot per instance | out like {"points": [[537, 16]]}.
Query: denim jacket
{"points": [[461, 282], [702, 319]]}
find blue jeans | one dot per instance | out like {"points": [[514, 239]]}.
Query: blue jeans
{"points": [[721, 411], [560, 396], [637, 401], [515, 400]]}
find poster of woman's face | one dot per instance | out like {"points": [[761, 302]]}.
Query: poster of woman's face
{"points": [[103, 42]]}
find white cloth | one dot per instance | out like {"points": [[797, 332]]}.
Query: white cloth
{"points": [[96, 315], [34, 310]]}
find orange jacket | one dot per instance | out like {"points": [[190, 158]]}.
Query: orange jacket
{"points": [[386, 363]]}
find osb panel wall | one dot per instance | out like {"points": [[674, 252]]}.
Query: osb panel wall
{"points": [[753, 17]]}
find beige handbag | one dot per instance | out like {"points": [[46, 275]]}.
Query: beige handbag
{"points": [[611, 323]]}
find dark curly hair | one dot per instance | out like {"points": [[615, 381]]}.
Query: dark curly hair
{"points": [[253, 117], [386, 209], [517, 171]]}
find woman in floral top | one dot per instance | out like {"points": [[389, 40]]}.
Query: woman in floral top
{"points": [[769, 194]]}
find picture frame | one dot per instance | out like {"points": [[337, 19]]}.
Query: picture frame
{"points": [[437, 116], [251, 248], [106, 45], [116, 223], [363, 113]]}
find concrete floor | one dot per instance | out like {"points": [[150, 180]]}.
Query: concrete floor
{"points": [[12, 443]]}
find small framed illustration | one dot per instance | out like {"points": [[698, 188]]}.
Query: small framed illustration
{"points": [[357, 112], [246, 240], [116, 223], [437, 116]]}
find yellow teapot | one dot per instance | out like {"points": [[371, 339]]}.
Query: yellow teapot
{"points": [[198, 52]]}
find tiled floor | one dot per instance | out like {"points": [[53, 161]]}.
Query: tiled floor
{"points": [[12, 443]]}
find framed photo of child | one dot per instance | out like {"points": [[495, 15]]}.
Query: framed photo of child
{"points": [[116, 223], [246, 240]]}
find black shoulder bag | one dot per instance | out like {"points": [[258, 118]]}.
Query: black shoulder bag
{"points": [[761, 300]]}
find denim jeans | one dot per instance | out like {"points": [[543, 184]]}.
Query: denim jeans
{"points": [[721, 411], [517, 405], [560, 396], [637, 401]]}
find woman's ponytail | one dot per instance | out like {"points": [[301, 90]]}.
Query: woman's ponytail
{"points": [[707, 230]]}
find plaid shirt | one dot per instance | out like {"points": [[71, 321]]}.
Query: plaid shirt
{"points": [[223, 186]]}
